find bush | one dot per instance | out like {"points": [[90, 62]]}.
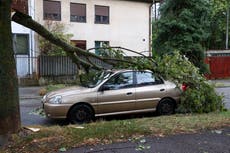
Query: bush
{"points": [[200, 97]]}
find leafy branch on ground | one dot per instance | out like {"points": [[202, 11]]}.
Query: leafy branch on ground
{"points": [[200, 96]]}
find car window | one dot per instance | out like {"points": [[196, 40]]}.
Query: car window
{"points": [[92, 81], [120, 81], [147, 78]]}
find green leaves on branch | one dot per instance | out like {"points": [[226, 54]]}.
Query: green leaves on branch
{"points": [[178, 69], [58, 30], [200, 97]]}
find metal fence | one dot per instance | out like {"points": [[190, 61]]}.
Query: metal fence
{"points": [[55, 66], [219, 64], [219, 67]]}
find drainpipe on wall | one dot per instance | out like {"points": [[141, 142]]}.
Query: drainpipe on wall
{"points": [[32, 40], [150, 29]]}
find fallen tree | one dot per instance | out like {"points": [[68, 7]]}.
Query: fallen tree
{"points": [[79, 56]]}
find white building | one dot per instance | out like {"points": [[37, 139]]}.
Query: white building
{"points": [[123, 23], [23, 41], [120, 23]]}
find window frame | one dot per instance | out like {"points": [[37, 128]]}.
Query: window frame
{"points": [[15, 43], [47, 17], [97, 49], [85, 7], [101, 16], [75, 42]]}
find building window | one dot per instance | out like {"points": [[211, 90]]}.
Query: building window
{"points": [[77, 12], [79, 43], [21, 44], [101, 14], [52, 10], [98, 45]]}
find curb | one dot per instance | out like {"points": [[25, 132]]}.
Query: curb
{"points": [[30, 97]]}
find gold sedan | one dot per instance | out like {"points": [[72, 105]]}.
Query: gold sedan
{"points": [[113, 92]]}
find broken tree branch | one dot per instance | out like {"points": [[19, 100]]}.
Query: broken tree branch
{"points": [[73, 52]]}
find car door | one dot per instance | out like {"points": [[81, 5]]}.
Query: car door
{"points": [[117, 94], [149, 90]]}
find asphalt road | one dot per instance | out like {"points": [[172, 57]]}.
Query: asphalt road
{"points": [[215, 141], [29, 117], [30, 100]]}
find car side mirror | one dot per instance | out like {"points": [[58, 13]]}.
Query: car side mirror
{"points": [[104, 88]]}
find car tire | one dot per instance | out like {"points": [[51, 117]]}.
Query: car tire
{"points": [[80, 114], [166, 107]]}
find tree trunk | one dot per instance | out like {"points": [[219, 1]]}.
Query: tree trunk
{"points": [[9, 101]]}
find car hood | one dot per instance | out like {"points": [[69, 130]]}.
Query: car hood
{"points": [[74, 90]]}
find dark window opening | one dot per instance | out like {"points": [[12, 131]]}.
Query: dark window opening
{"points": [[21, 44], [98, 45], [77, 12], [52, 10], [79, 43], [101, 14]]}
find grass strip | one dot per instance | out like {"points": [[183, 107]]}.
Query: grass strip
{"points": [[51, 139]]}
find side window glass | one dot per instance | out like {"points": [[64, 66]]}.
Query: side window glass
{"points": [[121, 81], [147, 78]]}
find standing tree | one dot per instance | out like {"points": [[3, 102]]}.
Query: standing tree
{"points": [[219, 25], [183, 26], [9, 102]]}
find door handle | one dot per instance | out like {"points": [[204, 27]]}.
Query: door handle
{"points": [[129, 93], [162, 89]]}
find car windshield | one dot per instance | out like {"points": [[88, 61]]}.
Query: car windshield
{"points": [[97, 79]]}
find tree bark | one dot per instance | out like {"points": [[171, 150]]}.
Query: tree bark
{"points": [[9, 101]]}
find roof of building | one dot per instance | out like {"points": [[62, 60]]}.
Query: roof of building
{"points": [[146, 1]]}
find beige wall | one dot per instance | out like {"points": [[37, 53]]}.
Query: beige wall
{"points": [[129, 23]]}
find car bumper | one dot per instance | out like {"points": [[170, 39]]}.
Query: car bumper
{"points": [[56, 110]]}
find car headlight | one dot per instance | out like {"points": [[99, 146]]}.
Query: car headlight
{"points": [[55, 100], [44, 98]]}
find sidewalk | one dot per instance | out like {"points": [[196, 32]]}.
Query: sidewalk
{"points": [[221, 83], [29, 92]]}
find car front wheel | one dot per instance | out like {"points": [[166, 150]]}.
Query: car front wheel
{"points": [[81, 114]]}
